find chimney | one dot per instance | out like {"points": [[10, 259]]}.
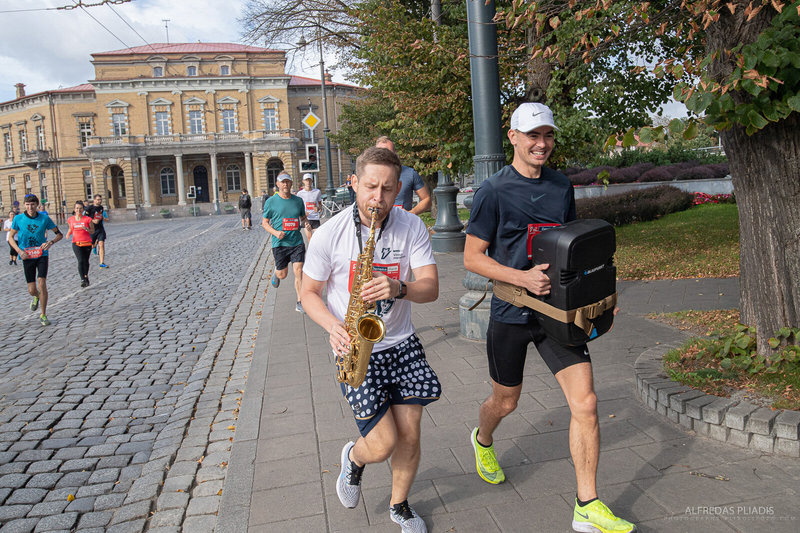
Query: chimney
{"points": [[20, 89], [328, 77]]}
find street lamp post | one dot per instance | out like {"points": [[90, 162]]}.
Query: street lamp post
{"points": [[331, 191], [489, 157], [325, 129]]}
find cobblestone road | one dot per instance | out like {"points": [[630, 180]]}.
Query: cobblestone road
{"points": [[121, 392]]}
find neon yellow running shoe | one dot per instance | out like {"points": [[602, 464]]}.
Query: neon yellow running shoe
{"points": [[597, 518], [486, 461]]}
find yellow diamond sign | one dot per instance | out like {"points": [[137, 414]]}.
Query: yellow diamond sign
{"points": [[311, 120]]}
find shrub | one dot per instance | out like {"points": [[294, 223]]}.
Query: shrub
{"points": [[667, 172], [589, 176], [637, 206]]}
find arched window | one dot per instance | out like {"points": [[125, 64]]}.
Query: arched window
{"points": [[233, 177], [167, 181]]}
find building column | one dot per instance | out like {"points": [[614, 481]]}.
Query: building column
{"points": [[248, 170], [214, 183], [145, 181], [179, 176]]}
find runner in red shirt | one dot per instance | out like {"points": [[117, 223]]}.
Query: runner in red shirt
{"points": [[81, 227]]}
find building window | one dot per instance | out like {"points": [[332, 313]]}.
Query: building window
{"points": [[26, 178], [233, 177], [224, 70], [158, 72], [274, 167], [40, 137], [162, 123], [8, 145], [228, 120], [270, 120], [85, 130], [191, 71], [87, 180], [23, 140], [43, 186], [195, 122], [12, 185], [118, 123], [167, 181]]}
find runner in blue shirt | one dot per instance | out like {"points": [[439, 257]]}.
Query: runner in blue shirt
{"points": [[284, 216], [30, 229]]}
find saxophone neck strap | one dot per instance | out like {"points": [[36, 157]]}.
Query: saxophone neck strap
{"points": [[581, 316], [357, 222]]}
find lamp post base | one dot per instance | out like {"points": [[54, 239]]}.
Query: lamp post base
{"points": [[475, 322]]}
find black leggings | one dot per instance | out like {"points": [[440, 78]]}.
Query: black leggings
{"points": [[82, 253]]}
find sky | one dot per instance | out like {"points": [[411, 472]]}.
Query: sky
{"points": [[50, 49]]}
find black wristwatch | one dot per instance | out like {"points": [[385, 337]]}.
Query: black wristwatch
{"points": [[403, 290]]}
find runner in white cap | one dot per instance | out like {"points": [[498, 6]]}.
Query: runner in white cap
{"points": [[312, 198]]}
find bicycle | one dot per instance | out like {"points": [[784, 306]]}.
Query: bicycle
{"points": [[331, 206]]}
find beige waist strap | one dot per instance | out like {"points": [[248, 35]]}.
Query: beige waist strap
{"points": [[581, 317]]}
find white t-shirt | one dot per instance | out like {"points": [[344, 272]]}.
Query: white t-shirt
{"points": [[332, 255], [6, 227], [313, 202]]}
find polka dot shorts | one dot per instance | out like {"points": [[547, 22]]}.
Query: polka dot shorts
{"points": [[396, 375]]}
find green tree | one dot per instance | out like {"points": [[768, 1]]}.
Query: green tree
{"points": [[739, 71]]}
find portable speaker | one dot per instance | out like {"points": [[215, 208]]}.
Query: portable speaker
{"points": [[582, 272]]}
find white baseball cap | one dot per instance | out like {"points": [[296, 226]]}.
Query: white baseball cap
{"points": [[308, 176], [531, 115], [284, 177]]}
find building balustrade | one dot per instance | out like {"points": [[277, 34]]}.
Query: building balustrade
{"points": [[191, 137], [34, 158]]}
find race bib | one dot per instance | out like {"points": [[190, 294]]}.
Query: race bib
{"points": [[98, 217], [391, 270], [34, 252], [533, 230], [311, 206], [291, 224]]}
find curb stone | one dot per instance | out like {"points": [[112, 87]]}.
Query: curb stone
{"points": [[723, 419]]}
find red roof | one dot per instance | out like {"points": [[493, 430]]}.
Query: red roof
{"points": [[185, 48], [300, 81], [77, 89]]}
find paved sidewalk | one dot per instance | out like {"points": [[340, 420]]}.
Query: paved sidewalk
{"points": [[293, 423]]}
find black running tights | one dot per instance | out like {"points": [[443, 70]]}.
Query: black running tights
{"points": [[82, 253]]}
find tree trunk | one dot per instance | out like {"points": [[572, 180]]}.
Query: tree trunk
{"points": [[765, 170]]}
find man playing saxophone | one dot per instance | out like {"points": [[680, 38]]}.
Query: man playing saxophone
{"points": [[387, 406]]}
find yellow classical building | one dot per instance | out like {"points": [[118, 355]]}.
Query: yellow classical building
{"points": [[163, 122]]}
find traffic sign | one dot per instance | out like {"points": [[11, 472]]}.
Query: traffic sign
{"points": [[311, 120]]}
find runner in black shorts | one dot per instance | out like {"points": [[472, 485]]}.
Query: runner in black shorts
{"points": [[284, 255], [30, 229], [97, 213], [506, 211], [507, 346]]}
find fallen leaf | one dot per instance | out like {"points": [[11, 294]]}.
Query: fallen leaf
{"points": [[70, 497]]}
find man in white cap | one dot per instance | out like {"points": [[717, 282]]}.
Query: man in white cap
{"points": [[284, 214], [506, 212], [312, 198]]}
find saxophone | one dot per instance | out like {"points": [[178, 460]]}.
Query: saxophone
{"points": [[365, 328]]}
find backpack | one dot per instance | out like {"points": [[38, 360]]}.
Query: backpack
{"points": [[244, 202]]}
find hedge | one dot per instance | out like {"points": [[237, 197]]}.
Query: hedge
{"points": [[636, 206]]}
